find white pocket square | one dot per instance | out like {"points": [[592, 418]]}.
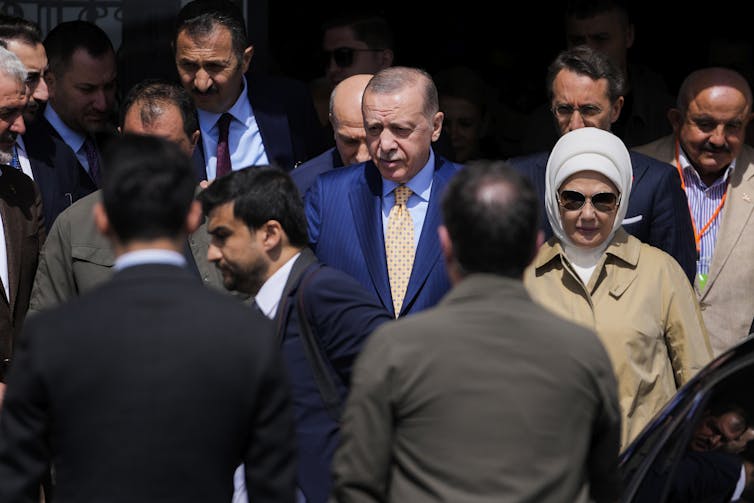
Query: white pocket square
{"points": [[632, 220]]}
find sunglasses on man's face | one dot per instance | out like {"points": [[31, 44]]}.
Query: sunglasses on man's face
{"points": [[343, 56], [603, 201]]}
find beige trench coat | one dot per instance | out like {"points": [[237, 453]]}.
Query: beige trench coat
{"points": [[640, 303]]}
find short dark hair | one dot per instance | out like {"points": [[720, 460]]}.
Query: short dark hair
{"points": [[199, 18], [69, 36], [148, 186], [18, 28], [492, 214], [259, 194], [149, 94], [583, 60], [368, 27]]}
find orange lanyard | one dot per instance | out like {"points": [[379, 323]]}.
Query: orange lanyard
{"points": [[697, 234]]}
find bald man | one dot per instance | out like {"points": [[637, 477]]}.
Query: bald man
{"points": [[348, 128], [717, 172]]}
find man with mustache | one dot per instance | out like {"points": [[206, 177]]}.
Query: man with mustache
{"points": [[244, 120], [78, 118], [717, 172]]}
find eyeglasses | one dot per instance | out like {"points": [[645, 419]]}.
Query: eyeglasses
{"points": [[603, 201], [343, 56], [566, 111]]}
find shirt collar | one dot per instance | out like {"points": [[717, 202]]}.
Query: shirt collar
{"points": [[150, 256], [420, 184], [240, 110], [72, 138], [269, 295], [688, 168]]}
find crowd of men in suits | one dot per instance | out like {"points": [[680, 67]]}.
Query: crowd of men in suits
{"points": [[335, 317]]}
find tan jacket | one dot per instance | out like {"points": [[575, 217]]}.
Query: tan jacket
{"points": [[643, 308], [727, 302]]}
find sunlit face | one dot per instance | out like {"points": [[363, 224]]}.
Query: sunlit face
{"points": [[364, 60], [463, 123], [578, 101], [84, 95], [715, 431], [34, 58], [399, 135], [713, 129], [209, 69], [606, 32], [13, 99], [236, 250], [168, 124], [587, 227]]}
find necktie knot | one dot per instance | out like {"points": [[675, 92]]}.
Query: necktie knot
{"points": [[402, 193], [223, 124]]}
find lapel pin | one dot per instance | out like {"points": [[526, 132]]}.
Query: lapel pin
{"points": [[747, 198]]}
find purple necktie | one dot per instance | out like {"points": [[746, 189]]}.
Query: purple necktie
{"points": [[223, 152], [93, 160]]}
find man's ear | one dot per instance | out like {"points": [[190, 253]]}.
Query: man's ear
{"points": [[437, 125], [100, 219], [194, 217], [446, 245], [676, 119], [248, 53], [273, 234]]}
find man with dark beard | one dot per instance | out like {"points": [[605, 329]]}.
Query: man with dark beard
{"points": [[322, 316]]}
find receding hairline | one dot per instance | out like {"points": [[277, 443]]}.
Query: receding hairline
{"points": [[705, 78]]}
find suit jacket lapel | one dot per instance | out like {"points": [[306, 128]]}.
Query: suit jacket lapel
{"points": [[14, 231], [736, 213], [365, 198], [273, 126]]}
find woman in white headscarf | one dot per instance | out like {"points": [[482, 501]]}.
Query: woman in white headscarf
{"points": [[636, 297]]}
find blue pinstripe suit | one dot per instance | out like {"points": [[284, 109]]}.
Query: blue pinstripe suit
{"points": [[343, 209]]}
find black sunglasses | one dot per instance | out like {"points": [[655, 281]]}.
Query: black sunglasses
{"points": [[343, 56], [572, 200]]}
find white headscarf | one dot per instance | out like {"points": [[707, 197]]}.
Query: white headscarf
{"points": [[587, 149]]}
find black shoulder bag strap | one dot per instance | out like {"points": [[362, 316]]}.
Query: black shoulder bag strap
{"points": [[322, 374]]}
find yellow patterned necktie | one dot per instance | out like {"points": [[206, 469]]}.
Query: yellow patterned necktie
{"points": [[399, 246]]}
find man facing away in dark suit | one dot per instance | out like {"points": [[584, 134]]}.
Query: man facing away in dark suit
{"points": [[22, 230], [349, 209], [586, 89], [348, 131], [169, 386], [265, 120], [469, 400], [259, 242], [64, 146]]}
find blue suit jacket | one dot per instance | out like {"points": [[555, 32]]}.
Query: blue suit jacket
{"points": [[57, 171], [342, 315], [304, 175], [287, 120], [343, 209], [658, 210]]}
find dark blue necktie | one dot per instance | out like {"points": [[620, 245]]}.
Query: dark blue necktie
{"points": [[14, 160]]}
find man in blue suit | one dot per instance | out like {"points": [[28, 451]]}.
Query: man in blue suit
{"points": [[322, 316], [348, 209], [586, 89], [255, 120]]}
